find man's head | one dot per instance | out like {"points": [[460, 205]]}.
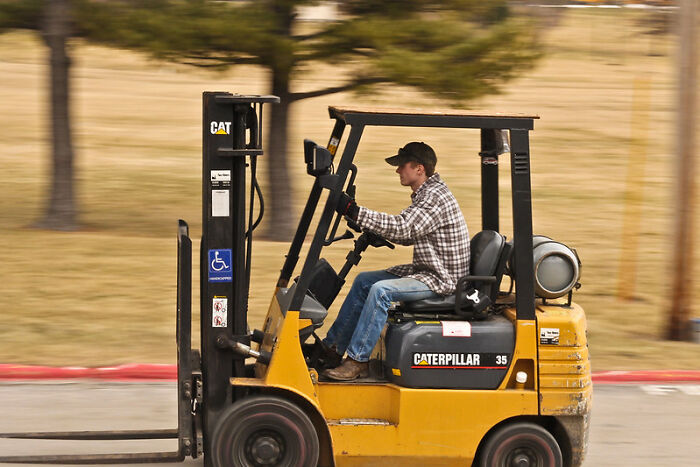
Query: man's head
{"points": [[419, 153], [416, 163]]}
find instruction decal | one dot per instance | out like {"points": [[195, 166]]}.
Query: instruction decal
{"points": [[219, 312], [220, 206], [220, 269], [220, 128], [549, 336], [456, 329], [220, 176]]}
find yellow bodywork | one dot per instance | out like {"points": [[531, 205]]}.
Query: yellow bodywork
{"points": [[382, 423]]}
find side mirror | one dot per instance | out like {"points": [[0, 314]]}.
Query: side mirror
{"points": [[318, 159]]}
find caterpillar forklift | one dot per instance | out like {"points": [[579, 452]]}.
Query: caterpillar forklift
{"points": [[485, 377]]}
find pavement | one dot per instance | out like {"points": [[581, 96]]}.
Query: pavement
{"points": [[159, 372], [642, 423]]}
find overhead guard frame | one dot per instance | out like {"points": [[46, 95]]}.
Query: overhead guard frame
{"points": [[518, 125]]}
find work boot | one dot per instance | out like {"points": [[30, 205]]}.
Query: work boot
{"points": [[329, 358], [348, 371]]}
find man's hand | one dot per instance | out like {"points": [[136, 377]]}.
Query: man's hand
{"points": [[347, 206]]}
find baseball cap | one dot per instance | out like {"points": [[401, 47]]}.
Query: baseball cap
{"points": [[414, 151]]}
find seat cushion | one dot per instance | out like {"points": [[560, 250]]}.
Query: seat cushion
{"points": [[435, 304]]}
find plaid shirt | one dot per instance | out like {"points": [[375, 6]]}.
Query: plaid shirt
{"points": [[434, 225]]}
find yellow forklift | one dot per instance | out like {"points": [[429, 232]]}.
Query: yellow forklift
{"points": [[486, 377]]}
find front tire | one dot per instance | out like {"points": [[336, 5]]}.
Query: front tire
{"points": [[521, 445], [264, 431]]}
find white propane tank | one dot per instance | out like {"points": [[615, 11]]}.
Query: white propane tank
{"points": [[557, 267]]}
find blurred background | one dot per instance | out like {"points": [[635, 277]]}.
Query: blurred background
{"points": [[100, 151]]}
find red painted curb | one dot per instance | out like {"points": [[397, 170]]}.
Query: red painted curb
{"points": [[649, 376], [129, 372], [167, 372]]}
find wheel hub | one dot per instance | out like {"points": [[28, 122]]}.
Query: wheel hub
{"points": [[522, 457], [265, 449], [520, 460]]}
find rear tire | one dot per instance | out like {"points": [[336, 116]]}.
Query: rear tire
{"points": [[264, 431], [521, 445]]}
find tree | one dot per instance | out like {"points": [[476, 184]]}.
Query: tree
{"points": [[53, 19], [453, 49]]}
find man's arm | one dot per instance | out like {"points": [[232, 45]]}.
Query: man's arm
{"points": [[415, 221]]}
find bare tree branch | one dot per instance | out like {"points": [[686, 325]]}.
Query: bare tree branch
{"points": [[296, 96], [221, 61]]}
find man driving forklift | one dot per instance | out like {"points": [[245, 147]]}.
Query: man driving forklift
{"points": [[434, 225]]}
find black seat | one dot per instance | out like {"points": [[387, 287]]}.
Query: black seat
{"points": [[489, 255]]}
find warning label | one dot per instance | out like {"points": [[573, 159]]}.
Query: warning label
{"points": [[549, 336], [219, 312], [456, 329]]}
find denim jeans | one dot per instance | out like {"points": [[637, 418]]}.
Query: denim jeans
{"points": [[364, 312]]}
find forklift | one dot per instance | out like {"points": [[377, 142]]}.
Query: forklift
{"points": [[485, 377]]}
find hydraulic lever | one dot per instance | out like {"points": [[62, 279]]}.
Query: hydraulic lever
{"points": [[224, 342]]}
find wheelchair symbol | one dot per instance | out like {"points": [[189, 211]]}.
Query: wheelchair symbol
{"points": [[220, 265], [217, 263]]}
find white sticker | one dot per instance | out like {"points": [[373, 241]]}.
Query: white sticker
{"points": [[219, 203], [220, 175], [549, 336], [456, 329], [219, 312]]}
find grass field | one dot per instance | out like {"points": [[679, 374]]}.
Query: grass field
{"points": [[106, 294]]}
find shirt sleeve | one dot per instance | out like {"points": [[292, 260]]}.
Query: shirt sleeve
{"points": [[416, 221]]}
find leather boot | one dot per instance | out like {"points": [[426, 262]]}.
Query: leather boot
{"points": [[348, 371], [329, 358]]}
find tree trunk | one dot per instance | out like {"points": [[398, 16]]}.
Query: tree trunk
{"points": [[680, 325], [61, 211], [280, 222]]}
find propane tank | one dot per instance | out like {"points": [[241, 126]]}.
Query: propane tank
{"points": [[557, 267]]}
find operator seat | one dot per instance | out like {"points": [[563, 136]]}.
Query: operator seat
{"points": [[489, 255]]}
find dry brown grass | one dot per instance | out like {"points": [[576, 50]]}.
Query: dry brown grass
{"points": [[106, 294]]}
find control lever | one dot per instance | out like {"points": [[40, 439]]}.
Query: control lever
{"points": [[353, 225], [377, 241], [224, 342], [345, 236]]}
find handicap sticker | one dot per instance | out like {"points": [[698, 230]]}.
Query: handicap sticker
{"points": [[220, 266]]}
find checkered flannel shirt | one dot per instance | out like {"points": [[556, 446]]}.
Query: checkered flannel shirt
{"points": [[434, 225]]}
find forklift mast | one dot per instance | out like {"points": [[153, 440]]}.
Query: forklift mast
{"points": [[232, 141], [232, 132]]}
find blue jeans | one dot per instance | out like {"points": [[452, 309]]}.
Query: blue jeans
{"points": [[364, 312]]}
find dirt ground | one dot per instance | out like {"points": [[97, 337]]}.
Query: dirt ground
{"points": [[605, 92]]}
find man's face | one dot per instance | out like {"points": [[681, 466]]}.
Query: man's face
{"points": [[410, 172]]}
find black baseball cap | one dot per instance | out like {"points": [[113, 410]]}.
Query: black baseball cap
{"points": [[414, 151]]}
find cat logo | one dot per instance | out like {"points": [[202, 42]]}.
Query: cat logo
{"points": [[220, 128]]}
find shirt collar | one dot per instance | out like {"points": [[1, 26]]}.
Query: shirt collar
{"points": [[433, 179]]}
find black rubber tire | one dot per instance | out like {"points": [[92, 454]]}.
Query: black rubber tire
{"points": [[264, 431], [528, 443]]}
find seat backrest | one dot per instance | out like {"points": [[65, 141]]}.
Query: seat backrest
{"points": [[486, 248], [489, 254], [487, 259]]}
